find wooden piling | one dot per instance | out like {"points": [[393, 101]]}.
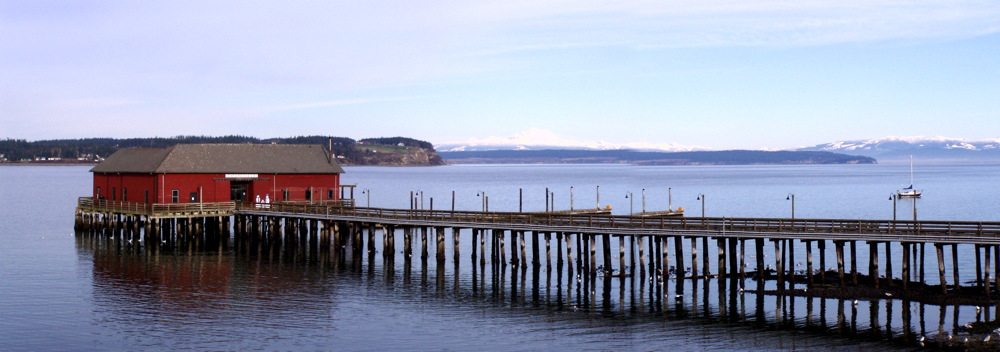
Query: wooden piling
{"points": [[979, 265], [778, 266], [840, 262], [456, 235], [720, 244], [906, 265], [694, 257], [679, 256], [621, 256], [854, 262], [888, 264], [759, 244], [664, 258], [535, 258], [809, 262], [954, 266], [822, 260], [606, 246], [940, 257], [873, 262], [524, 256]]}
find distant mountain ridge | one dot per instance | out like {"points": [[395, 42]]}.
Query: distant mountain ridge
{"points": [[729, 157], [927, 148], [889, 149], [538, 139]]}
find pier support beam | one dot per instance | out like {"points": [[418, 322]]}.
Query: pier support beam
{"points": [[840, 262], [940, 257]]}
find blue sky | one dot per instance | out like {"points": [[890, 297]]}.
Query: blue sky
{"points": [[719, 74]]}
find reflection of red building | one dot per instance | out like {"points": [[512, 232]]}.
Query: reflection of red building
{"points": [[192, 173]]}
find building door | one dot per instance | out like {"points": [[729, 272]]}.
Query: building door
{"points": [[238, 191]]}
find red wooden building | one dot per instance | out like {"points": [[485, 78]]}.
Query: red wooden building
{"points": [[193, 173]]}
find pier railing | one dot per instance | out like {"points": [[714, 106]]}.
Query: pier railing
{"points": [[154, 209], [803, 228]]}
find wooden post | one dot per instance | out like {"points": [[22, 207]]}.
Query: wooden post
{"points": [[524, 256], [854, 262], [720, 244], [440, 245], [621, 256], [704, 257], [694, 258], [888, 264], [456, 233], [407, 242], [503, 249], [664, 258], [642, 255], [423, 243], [515, 260], [743, 259], [822, 260], [679, 256], [987, 277], [873, 262], [996, 269], [593, 253], [475, 235], [759, 244], [809, 262], [733, 265], [906, 265], [940, 256], [482, 246], [778, 266], [979, 266], [548, 250], [607, 255], [536, 259], [954, 266], [923, 262], [840, 261], [569, 254]]}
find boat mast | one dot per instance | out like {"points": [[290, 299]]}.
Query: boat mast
{"points": [[911, 170]]}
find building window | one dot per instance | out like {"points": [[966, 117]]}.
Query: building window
{"points": [[125, 194], [114, 193], [98, 192], [175, 196], [329, 194], [145, 198], [194, 197], [309, 195], [284, 194]]}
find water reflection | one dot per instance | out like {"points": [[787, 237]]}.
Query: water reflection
{"points": [[290, 282]]}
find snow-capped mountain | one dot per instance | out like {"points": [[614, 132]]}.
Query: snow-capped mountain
{"points": [[539, 139], [928, 148]]}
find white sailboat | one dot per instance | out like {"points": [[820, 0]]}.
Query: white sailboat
{"points": [[909, 192]]}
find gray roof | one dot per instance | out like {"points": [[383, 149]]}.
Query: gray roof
{"points": [[223, 158]]}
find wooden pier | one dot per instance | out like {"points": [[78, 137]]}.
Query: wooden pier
{"points": [[614, 247]]}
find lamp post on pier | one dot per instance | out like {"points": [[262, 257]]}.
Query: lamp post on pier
{"points": [[628, 195], [598, 197], [701, 197], [643, 200], [670, 199], [791, 196], [483, 200], [892, 197], [570, 198]]}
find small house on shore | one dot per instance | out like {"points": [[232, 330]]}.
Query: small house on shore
{"points": [[197, 173]]}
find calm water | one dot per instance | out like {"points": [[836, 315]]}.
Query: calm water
{"points": [[61, 292]]}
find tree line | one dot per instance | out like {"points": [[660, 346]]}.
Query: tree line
{"points": [[95, 149]]}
